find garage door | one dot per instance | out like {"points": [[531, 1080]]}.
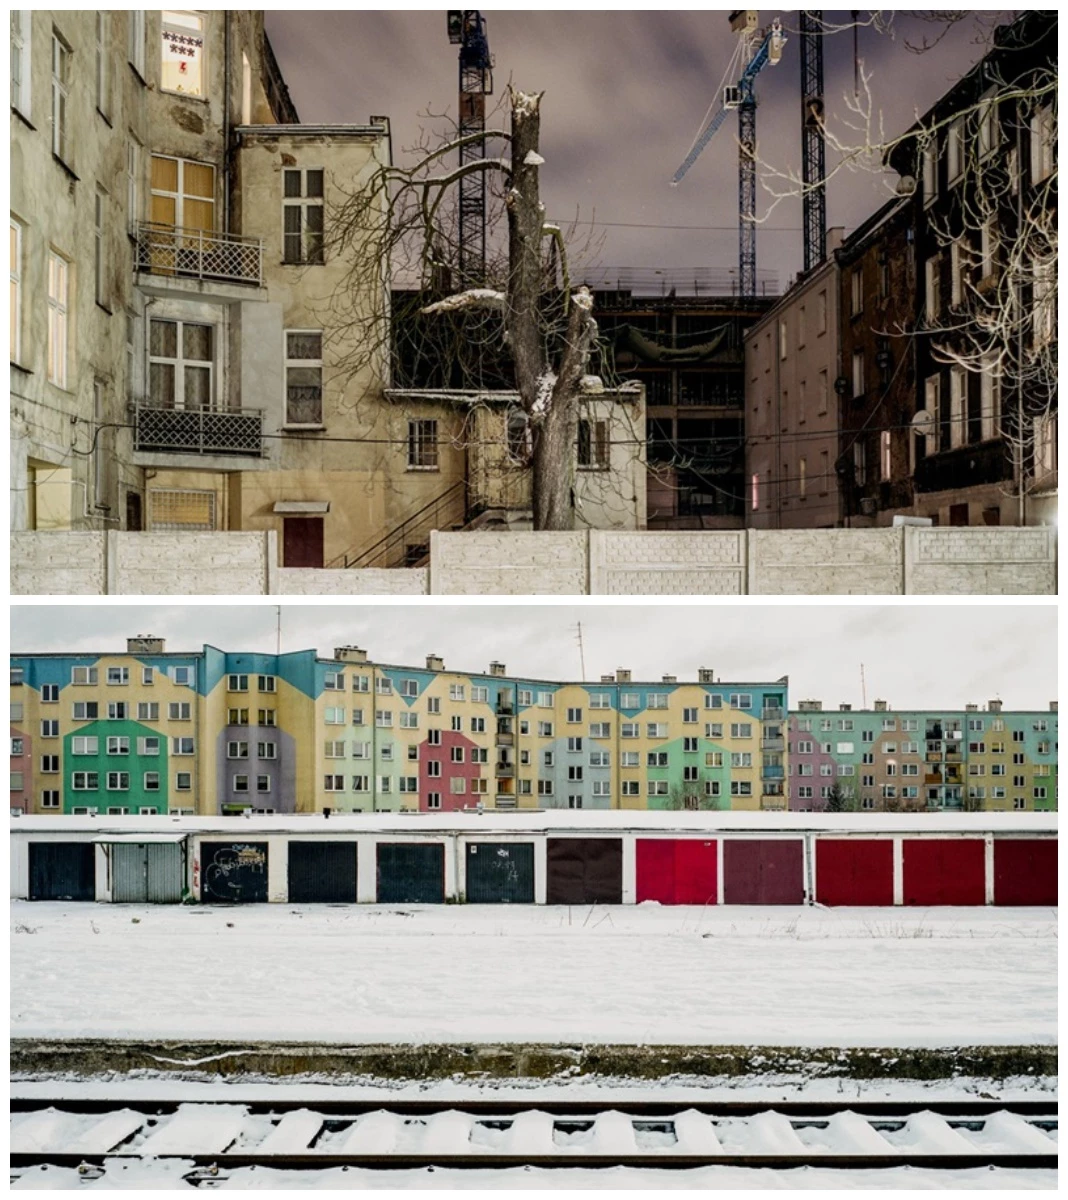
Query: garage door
{"points": [[233, 872], [411, 873], [62, 871], [146, 873], [322, 872], [1025, 871], [857, 871], [500, 873], [763, 871], [676, 870], [584, 871], [944, 871]]}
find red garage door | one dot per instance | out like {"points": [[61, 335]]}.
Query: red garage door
{"points": [[763, 871], [1025, 870], [676, 870], [855, 871], [944, 871]]}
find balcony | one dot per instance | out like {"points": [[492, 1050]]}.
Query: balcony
{"points": [[199, 430], [772, 773], [772, 714], [773, 744], [505, 708], [505, 739], [172, 251], [505, 770]]}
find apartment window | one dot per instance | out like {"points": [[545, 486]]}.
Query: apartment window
{"points": [[183, 781], [599, 758], [802, 478], [656, 729], [383, 718], [118, 745], [600, 729], [263, 783], [102, 59], [821, 313], [20, 61], [16, 747], [885, 471], [237, 749], [85, 781], [410, 688], [689, 716], [629, 787], [930, 173], [458, 787], [409, 720], [433, 705], [478, 724], [49, 797], [304, 376], [237, 716], [118, 710], [118, 676], [545, 729], [61, 76], [149, 745], [955, 150], [182, 53], [182, 745], [989, 401], [628, 758], [934, 296], [456, 724], [957, 398], [574, 745], [860, 463], [58, 317], [456, 691], [713, 730], [856, 291], [821, 393], [1043, 290], [181, 364], [782, 340], [423, 445], [600, 700], [183, 676], [956, 273], [85, 710], [754, 485], [180, 711], [266, 683], [16, 289], [134, 152], [183, 193], [302, 215], [333, 681], [118, 781], [741, 700], [858, 374], [629, 700], [656, 758], [741, 788], [1043, 144], [593, 452], [743, 730]]}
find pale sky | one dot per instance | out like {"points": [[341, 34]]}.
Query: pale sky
{"points": [[625, 94], [914, 656]]}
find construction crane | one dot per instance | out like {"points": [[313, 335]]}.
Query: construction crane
{"points": [[813, 162], [468, 31], [756, 49]]}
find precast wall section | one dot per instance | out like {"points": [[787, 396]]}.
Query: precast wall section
{"points": [[501, 866]]}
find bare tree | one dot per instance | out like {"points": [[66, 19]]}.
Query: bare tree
{"points": [[404, 220]]}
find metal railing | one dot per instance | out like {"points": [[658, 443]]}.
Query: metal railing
{"points": [[199, 430], [199, 254], [390, 550]]}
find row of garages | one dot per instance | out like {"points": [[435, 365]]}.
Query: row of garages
{"points": [[726, 869]]}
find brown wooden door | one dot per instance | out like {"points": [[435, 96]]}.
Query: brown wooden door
{"points": [[302, 542]]}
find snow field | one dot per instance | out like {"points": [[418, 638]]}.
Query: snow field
{"points": [[488, 974]]}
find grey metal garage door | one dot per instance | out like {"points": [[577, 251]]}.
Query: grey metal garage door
{"points": [[146, 873]]}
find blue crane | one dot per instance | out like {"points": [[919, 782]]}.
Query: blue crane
{"points": [[740, 96]]}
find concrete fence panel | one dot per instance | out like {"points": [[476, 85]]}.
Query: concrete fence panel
{"points": [[509, 564], [668, 564], [981, 561], [369, 581], [58, 564], [829, 562], [189, 564]]}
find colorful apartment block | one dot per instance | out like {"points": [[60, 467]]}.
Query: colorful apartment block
{"points": [[970, 760], [217, 732]]}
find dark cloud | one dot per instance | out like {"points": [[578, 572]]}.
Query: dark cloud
{"points": [[912, 655], [625, 94]]}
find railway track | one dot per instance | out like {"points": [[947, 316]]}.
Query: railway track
{"points": [[214, 1139]]}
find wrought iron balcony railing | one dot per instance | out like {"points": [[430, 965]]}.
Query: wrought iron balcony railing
{"points": [[199, 254], [199, 430]]}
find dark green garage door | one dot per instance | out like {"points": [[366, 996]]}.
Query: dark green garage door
{"points": [[62, 871], [500, 873], [411, 873], [322, 872]]}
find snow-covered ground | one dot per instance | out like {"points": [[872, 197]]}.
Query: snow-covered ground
{"points": [[169, 1175], [645, 974]]}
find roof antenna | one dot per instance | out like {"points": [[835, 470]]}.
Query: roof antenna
{"points": [[582, 654], [278, 629], [863, 688]]}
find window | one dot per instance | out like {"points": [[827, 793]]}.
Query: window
{"points": [[456, 691], [574, 716], [593, 445], [599, 758], [118, 745], [237, 749], [422, 445], [118, 710], [629, 787], [599, 700], [410, 688], [383, 718], [545, 729], [600, 729], [20, 61], [574, 745], [304, 376], [856, 291], [58, 314], [237, 716], [628, 729], [741, 788], [713, 701], [1043, 144], [181, 364], [713, 730], [183, 193], [656, 729], [361, 683], [782, 340], [955, 150], [409, 720], [302, 215], [16, 286], [85, 710], [656, 758], [118, 781], [433, 705], [478, 724], [858, 374], [61, 77], [741, 731], [456, 724], [182, 53], [934, 295], [1043, 316], [50, 729], [458, 787], [182, 745], [433, 800], [85, 781], [802, 477], [930, 173], [336, 783]]}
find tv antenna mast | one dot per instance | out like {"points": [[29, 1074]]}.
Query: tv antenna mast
{"points": [[582, 654]]}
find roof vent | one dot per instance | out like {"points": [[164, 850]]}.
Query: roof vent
{"points": [[993, 705], [350, 654], [670, 679], [145, 644], [971, 708], [608, 679], [498, 669], [881, 706], [845, 707], [622, 676], [706, 675], [435, 662]]}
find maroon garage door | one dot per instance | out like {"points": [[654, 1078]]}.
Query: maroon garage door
{"points": [[763, 871], [1025, 870], [854, 871], [584, 871], [676, 870], [944, 871]]}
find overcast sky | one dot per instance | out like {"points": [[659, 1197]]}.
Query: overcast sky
{"points": [[625, 94], [919, 656]]}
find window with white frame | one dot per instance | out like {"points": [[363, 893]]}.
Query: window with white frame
{"points": [[885, 470], [181, 364], [182, 53], [20, 61], [1044, 292], [58, 317], [183, 193], [134, 159], [957, 407], [15, 295], [61, 80], [932, 273], [304, 376], [988, 123], [302, 215], [989, 400], [858, 373], [103, 59], [1043, 143], [423, 445], [955, 150], [957, 259], [856, 291]]}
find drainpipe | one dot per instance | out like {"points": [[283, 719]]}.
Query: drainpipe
{"points": [[226, 120], [777, 352]]}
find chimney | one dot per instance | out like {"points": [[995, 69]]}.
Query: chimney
{"points": [[810, 706], [1053, 706], [881, 706], [706, 675], [845, 707], [670, 679], [498, 669], [835, 237], [435, 662], [993, 706], [622, 675], [145, 644], [350, 654], [608, 679], [971, 708]]}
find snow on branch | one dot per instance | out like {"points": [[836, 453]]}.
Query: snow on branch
{"points": [[473, 298]]}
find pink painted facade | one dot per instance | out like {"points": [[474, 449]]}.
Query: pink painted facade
{"points": [[22, 764], [440, 758], [810, 767]]}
